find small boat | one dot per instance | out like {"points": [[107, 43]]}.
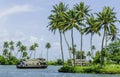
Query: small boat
{"points": [[33, 63]]}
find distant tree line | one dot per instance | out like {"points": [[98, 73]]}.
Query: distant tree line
{"points": [[13, 52]]}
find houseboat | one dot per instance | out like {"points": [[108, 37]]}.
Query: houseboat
{"points": [[32, 63]]}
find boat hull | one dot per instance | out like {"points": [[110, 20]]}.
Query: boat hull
{"points": [[32, 67]]}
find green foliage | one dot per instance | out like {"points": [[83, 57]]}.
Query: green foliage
{"points": [[59, 62], [80, 55], [69, 69], [24, 54], [114, 52], [69, 62], [5, 61], [108, 69], [96, 59]]}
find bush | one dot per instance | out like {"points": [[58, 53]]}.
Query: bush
{"points": [[69, 62], [69, 69], [108, 69], [59, 62]]}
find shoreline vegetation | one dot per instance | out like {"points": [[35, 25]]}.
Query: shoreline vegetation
{"points": [[95, 69]]}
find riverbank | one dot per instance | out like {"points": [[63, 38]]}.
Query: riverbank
{"points": [[107, 69]]}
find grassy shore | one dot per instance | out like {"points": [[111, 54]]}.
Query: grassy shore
{"points": [[107, 69]]}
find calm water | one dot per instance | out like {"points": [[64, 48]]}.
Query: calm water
{"points": [[51, 71]]}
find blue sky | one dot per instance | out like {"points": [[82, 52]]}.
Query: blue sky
{"points": [[26, 20]]}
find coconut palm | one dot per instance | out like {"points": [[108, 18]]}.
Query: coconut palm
{"points": [[5, 52], [107, 19], [92, 22], [11, 46], [70, 20], [56, 19], [18, 45], [24, 54], [35, 45], [83, 11], [47, 46], [33, 48], [22, 49], [6, 44], [67, 45]]}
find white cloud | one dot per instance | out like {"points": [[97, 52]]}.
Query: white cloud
{"points": [[15, 9], [33, 39]]}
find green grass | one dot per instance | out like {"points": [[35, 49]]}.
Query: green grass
{"points": [[111, 69], [107, 69]]}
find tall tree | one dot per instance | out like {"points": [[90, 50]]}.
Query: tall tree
{"points": [[83, 12], [5, 53], [11, 45], [22, 49], [56, 19], [6, 44], [47, 46], [6, 50], [91, 29], [70, 20], [67, 45], [33, 48], [107, 18], [18, 45], [24, 54], [35, 45]]}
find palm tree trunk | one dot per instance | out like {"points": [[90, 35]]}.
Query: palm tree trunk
{"points": [[73, 47], [67, 46], [102, 52], [61, 46], [21, 55], [81, 44], [91, 44], [31, 54], [16, 54], [34, 53], [106, 39], [47, 55]]}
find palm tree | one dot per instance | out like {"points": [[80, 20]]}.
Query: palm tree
{"points": [[47, 46], [24, 54], [22, 49], [67, 45], [35, 45], [6, 44], [70, 22], [107, 19], [11, 43], [18, 44], [55, 21], [5, 52], [33, 48], [91, 21], [83, 11]]}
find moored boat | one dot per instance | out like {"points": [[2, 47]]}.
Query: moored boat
{"points": [[33, 63]]}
